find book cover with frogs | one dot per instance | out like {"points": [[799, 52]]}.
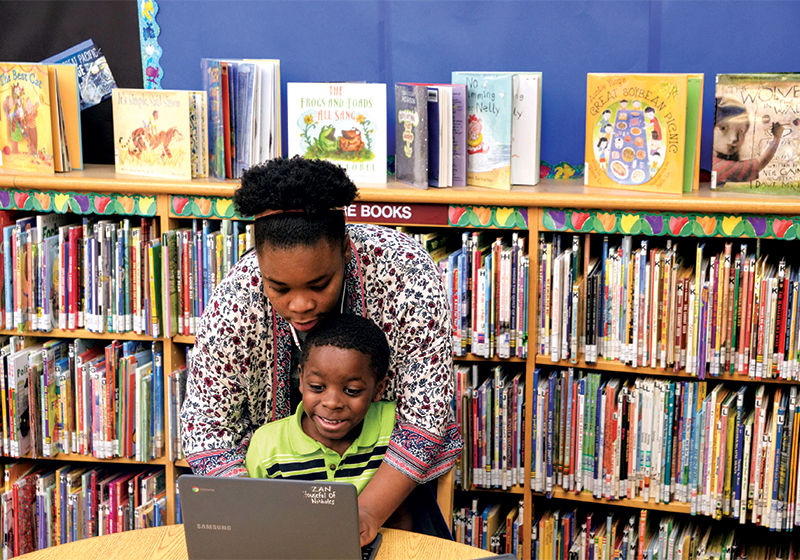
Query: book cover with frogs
{"points": [[341, 122]]}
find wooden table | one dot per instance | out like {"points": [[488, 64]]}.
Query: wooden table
{"points": [[168, 543]]}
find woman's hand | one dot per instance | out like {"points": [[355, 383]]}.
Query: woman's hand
{"points": [[381, 497], [368, 525]]}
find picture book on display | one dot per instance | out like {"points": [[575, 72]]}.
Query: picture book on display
{"points": [[757, 133], [40, 129], [503, 129], [643, 131], [160, 133], [94, 76], [431, 135], [341, 122]]}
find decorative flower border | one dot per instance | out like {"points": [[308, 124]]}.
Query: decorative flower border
{"points": [[149, 31], [203, 207], [561, 170], [750, 226], [78, 203], [487, 216]]}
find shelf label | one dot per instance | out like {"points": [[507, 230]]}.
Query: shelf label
{"points": [[391, 213]]}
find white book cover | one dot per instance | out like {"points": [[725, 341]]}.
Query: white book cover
{"points": [[341, 122], [526, 126]]}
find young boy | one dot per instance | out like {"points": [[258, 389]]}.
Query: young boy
{"points": [[341, 428]]}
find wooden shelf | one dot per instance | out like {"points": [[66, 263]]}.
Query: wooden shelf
{"points": [[183, 338], [510, 490], [78, 458], [637, 503], [81, 333], [559, 193], [495, 360], [614, 366]]}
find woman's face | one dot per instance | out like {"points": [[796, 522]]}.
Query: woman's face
{"points": [[303, 283]]}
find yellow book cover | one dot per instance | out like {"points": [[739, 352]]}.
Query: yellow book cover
{"points": [[152, 132], [64, 80], [636, 131], [26, 138]]}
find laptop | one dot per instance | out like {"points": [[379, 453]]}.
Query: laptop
{"points": [[271, 519]]}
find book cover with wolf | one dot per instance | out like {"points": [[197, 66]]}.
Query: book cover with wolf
{"points": [[638, 136], [26, 141], [152, 132], [341, 122], [757, 133]]}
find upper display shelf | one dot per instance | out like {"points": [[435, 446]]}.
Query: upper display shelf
{"points": [[550, 193]]}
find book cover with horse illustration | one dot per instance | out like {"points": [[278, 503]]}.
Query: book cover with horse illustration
{"points": [[26, 141], [152, 132]]}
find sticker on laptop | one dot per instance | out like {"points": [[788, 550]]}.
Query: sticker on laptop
{"points": [[322, 495]]}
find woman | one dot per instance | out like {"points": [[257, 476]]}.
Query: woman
{"points": [[308, 264]]}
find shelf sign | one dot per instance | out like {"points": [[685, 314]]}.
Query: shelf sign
{"points": [[438, 215], [391, 213]]}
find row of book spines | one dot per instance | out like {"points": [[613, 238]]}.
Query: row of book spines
{"points": [[576, 534], [96, 399], [110, 277], [487, 286], [646, 309], [44, 506], [492, 419], [494, 527], [720, 462]]}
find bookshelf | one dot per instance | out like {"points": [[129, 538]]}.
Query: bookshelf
{"points": [[546, 207]]}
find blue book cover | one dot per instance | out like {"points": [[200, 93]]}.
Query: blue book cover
{"points": [[212, 84], [460, 313], [245, 98], [535, 419], [94, 75], [157, 414], [489, 114], [434, 131]]}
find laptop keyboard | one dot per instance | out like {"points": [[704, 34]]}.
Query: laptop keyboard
{"points": [[367, 552]]}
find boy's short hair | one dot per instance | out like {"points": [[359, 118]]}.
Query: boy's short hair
{"points": [[351, 332]]}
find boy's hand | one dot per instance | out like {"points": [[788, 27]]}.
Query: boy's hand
{"points": [[777, 130], [368, 526]]}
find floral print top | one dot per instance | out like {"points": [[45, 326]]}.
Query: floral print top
{"points": [[239, 375]]}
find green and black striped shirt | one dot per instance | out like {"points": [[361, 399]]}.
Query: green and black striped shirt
{"points": [[281, 449]]}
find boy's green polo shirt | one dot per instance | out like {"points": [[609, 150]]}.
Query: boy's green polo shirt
{"points": [[281, 449]]}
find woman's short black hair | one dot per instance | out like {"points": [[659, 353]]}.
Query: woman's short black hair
{"points": [[351, 332], [315, 189]]}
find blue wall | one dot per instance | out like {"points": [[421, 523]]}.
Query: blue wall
{"points": [[424, 41]]}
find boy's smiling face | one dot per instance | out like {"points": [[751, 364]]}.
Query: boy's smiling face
{"points": [[338, 386]]}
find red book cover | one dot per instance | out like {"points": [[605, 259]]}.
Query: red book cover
{"points": [[784, 316], [186, 278], [75, 234], [747, 300], [131, 407], [24, 500], [226, 120]]}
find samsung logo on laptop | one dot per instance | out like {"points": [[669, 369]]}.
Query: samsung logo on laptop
{"points": [[208, 527]]}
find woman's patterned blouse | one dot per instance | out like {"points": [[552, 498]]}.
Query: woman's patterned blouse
{"points": [[239, 375]]}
